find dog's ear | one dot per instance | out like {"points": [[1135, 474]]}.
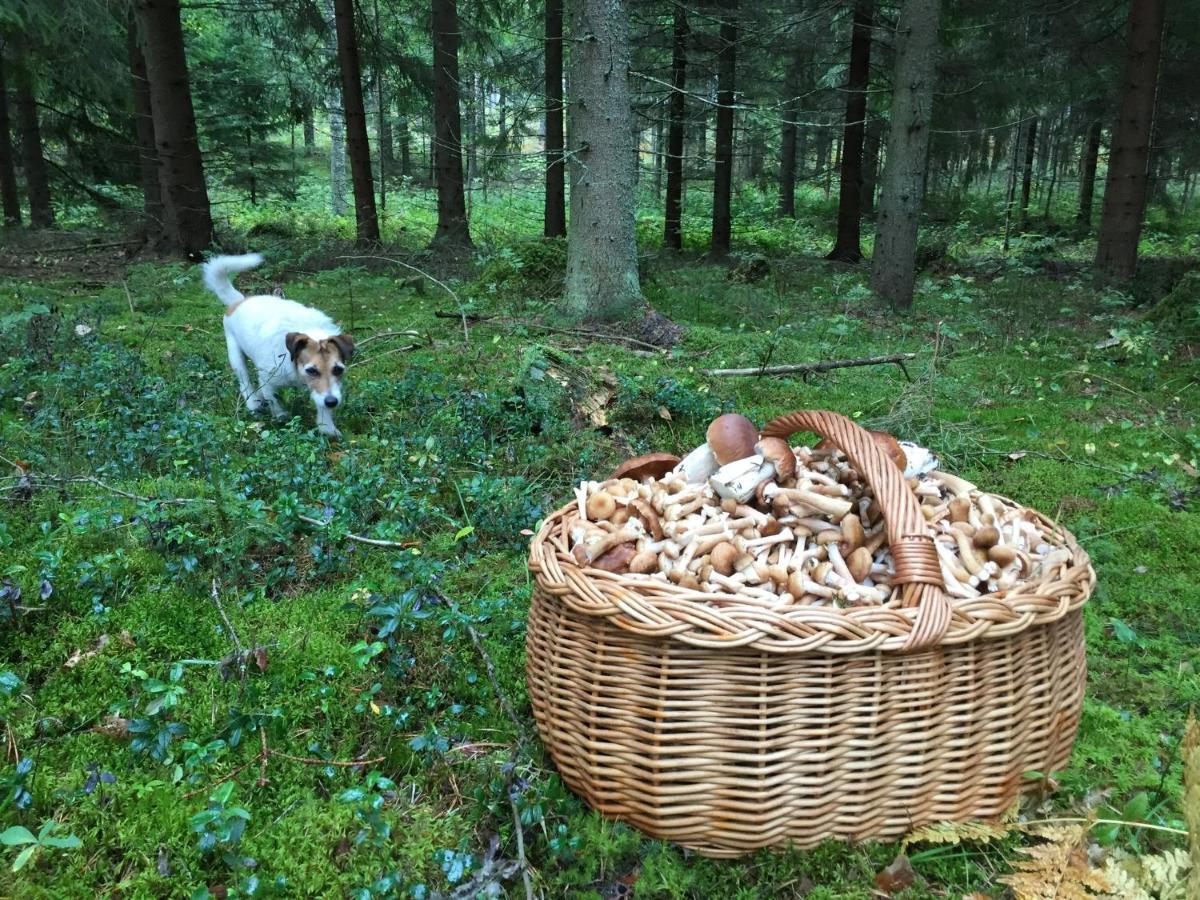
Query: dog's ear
{"points": [[295, 342], [345, 345]]}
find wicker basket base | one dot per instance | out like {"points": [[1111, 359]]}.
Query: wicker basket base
{"points": [[727, 751]]}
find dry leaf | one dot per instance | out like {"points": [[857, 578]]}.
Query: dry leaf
{"points": [[664, 413], [80, 655], [896, 877], [113, 727], [260, 658], [1019, 454], [957, 832], [1057, 869]]}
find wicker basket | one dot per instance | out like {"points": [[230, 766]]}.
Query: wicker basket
{"points": [[727, 729]]}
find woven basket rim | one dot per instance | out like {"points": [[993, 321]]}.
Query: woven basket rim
{"points": [[655, 609]]}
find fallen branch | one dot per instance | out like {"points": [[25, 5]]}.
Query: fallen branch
{"points": [[387, 334], [577, 332], [184, 501], [314, 761], [458, 302], [897, 359]]}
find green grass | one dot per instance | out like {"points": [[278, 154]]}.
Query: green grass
{"points": [[460, 447]]}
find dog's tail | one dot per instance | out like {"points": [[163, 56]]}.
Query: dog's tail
{"points": [[219, 270]]}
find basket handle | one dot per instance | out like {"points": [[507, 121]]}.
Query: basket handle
{"points": [[917, 566]]}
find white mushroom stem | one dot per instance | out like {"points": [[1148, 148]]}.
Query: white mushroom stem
{"points": [[954, 587], [833, 507], [783, 537], [966, 552], [839, 564], [957, 486], [698, 465]]}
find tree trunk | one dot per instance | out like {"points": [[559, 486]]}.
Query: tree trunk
{"points": [[37, 184], [673, 207], [473, 136], [787, 149], [1031, 128], [366, 221], [143, 124], [1125, 188], [871, 147], [8, 173], [847, 246], [823, 142], [658, 158], [719, 243], [602, 271], [554, 220], [310, 128], [337, 120], [181, 169], [405, 148], [452, 227], [387, 144], [893, 272]]}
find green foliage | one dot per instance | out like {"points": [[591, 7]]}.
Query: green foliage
{"points": [[31, 845]]}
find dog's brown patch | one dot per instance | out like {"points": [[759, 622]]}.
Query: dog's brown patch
{"points": [[229, 309], [327, 357]]}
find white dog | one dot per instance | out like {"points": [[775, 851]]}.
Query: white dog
{"points": [[288, 343]]}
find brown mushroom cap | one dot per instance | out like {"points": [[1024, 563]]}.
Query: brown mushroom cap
{"points": [[722, 557], [617, 559], [651, 465], [891, 447], [649, 517], [776, 451], [600, 505], [644, 563], [732, 437]]}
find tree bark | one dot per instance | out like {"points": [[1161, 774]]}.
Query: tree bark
{"points": [[554, 218], [719, 242], [8, 173], [787, 149], [366, 220], [893, 272], [143, 125], [405, 148], [673, 208], [1125, 188], [1031, 128], [337, 120], [181, 169], [452, 227], [37, 184], [847, 246], [602, 272]]}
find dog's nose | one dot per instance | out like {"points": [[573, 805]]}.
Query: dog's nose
{"points": [[331, 401]]}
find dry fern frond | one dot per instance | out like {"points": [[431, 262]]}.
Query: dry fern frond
{"points": [[1159, 877], [1191, 796], [957, 832], [1057, 869]]}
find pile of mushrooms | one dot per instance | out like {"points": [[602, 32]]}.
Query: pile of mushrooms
{"points": [[755, 518]]}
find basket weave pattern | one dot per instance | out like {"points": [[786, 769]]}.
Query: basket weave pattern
{"points": [[727, 724]]}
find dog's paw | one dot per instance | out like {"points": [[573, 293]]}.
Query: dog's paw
{"points": [[331, 432], [254, 405], [280, 414]]}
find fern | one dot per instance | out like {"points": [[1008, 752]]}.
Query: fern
{"points": [[1160, 877], [957, 832], [1057, 869]]}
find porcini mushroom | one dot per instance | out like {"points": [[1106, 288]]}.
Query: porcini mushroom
{"points": [[651, 465], [729, 438], [739, 480]]}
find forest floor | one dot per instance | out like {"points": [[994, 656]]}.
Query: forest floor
{"points": [[191, 665]]}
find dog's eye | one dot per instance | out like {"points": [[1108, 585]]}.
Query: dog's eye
{"points": [[311, 372], [338, 370]]}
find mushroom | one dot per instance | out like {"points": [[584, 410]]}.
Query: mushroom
{"points": [[775, 462], [860, 563], [646, 513], [918, 460], [643, 563], [601, 505], [651, 465], [729, 438], [722, 557], [617, 559]]}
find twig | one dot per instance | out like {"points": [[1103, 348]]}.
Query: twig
{"points": [[895, 359], [1059, 459], [441, 284], [578, 332], [520, 832], [388, 334], [216, 599], [128, 296], [358, 538], [224, 778], [262, 762], [1094, 822], [313, 761], [371, 359]]}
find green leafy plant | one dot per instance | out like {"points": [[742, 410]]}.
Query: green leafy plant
{"points": [[34, 844]]}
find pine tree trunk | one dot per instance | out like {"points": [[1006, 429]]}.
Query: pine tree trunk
{"points": [[337, 120], [847, 246], [181, 169], [823, 143], [658, 159], [387, 143], [719, 243], [310, 128], [37, 184], [8, 173], [1125, 188], [602, 271], [871, 147], [893, 271], [554, 219], [677, 110], [787, 138], [452, 227], [366, 220], [143, 126], [472, 136], [1031, 128]]}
